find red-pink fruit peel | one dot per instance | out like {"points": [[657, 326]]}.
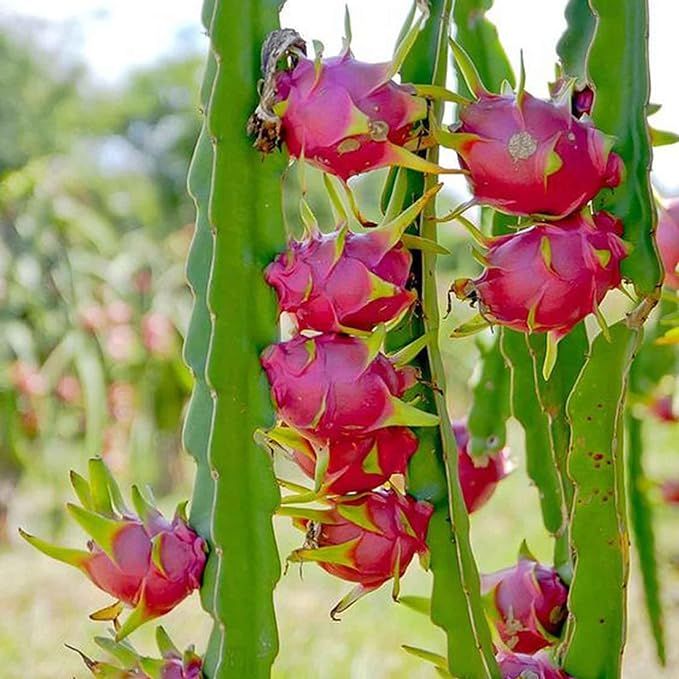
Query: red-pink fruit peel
{"points": [[523, 665], [526, 156], [667, 236], [527, 603], [333, 385], [547, 278], [347, 117], [367, 539], [479, 475]]}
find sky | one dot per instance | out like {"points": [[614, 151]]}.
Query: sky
{"points": [[115, 35]]}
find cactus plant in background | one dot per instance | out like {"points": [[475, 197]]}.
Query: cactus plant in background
{"points": [[344, 325]]}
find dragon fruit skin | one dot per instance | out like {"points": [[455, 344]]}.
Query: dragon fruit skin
{"points": [[349, 118], [525, 666], [361, 463], [662, 407], [667, 236], [342, 280], [550, 276], [526, 156], [478, 476], [380, 532], [142, 560], [333, 385], [528, 603]]}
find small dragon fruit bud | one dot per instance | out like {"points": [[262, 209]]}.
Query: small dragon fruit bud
{"points": [[581, 97], [527, 602], [367, 539], [550, 276], [340, 114], [142, 559], [667, 237], [355, 464], [131, 665], [333, 385], [525, 666], [68, 389], [526, 156], [479, 475]]}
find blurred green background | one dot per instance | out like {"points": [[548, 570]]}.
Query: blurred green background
{"points": [[95, 225]]}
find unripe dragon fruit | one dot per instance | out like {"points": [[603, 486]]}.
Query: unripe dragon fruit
{"points": [[131, 665], [550, 276], [367, 539], [479, 475], [526, 156], [525, 666], [143, 560], [355, 464], [527, 603], [340, 114], [343, 280], [667, 237], [333, 385]]}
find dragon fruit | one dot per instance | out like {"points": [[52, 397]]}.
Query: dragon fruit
{"points": [[669, 491], [667, 237], [143, 560], [343, 280], [367, 539], [479, 476], [526, 156], [332, 385], [527, 603], [130, 665], [550, 276], [356, 464], [341, 115], [525, 666]]}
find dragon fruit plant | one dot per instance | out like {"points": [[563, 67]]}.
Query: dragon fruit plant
{"points": [[357, 386], [131, 665], [141, 559]]}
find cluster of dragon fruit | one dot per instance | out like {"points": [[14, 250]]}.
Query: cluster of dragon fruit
{"points": [[346, 411], [342, 402]]}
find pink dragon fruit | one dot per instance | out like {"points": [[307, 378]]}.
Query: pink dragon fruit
{"points": [[173, 664], [367, 539], [550, 276], [479, 476], [143, 560], [667, 237], [526, 156], [331, 385], [356, 464], [341, 280], [527, 603], [340, 114], [525, 666]]}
